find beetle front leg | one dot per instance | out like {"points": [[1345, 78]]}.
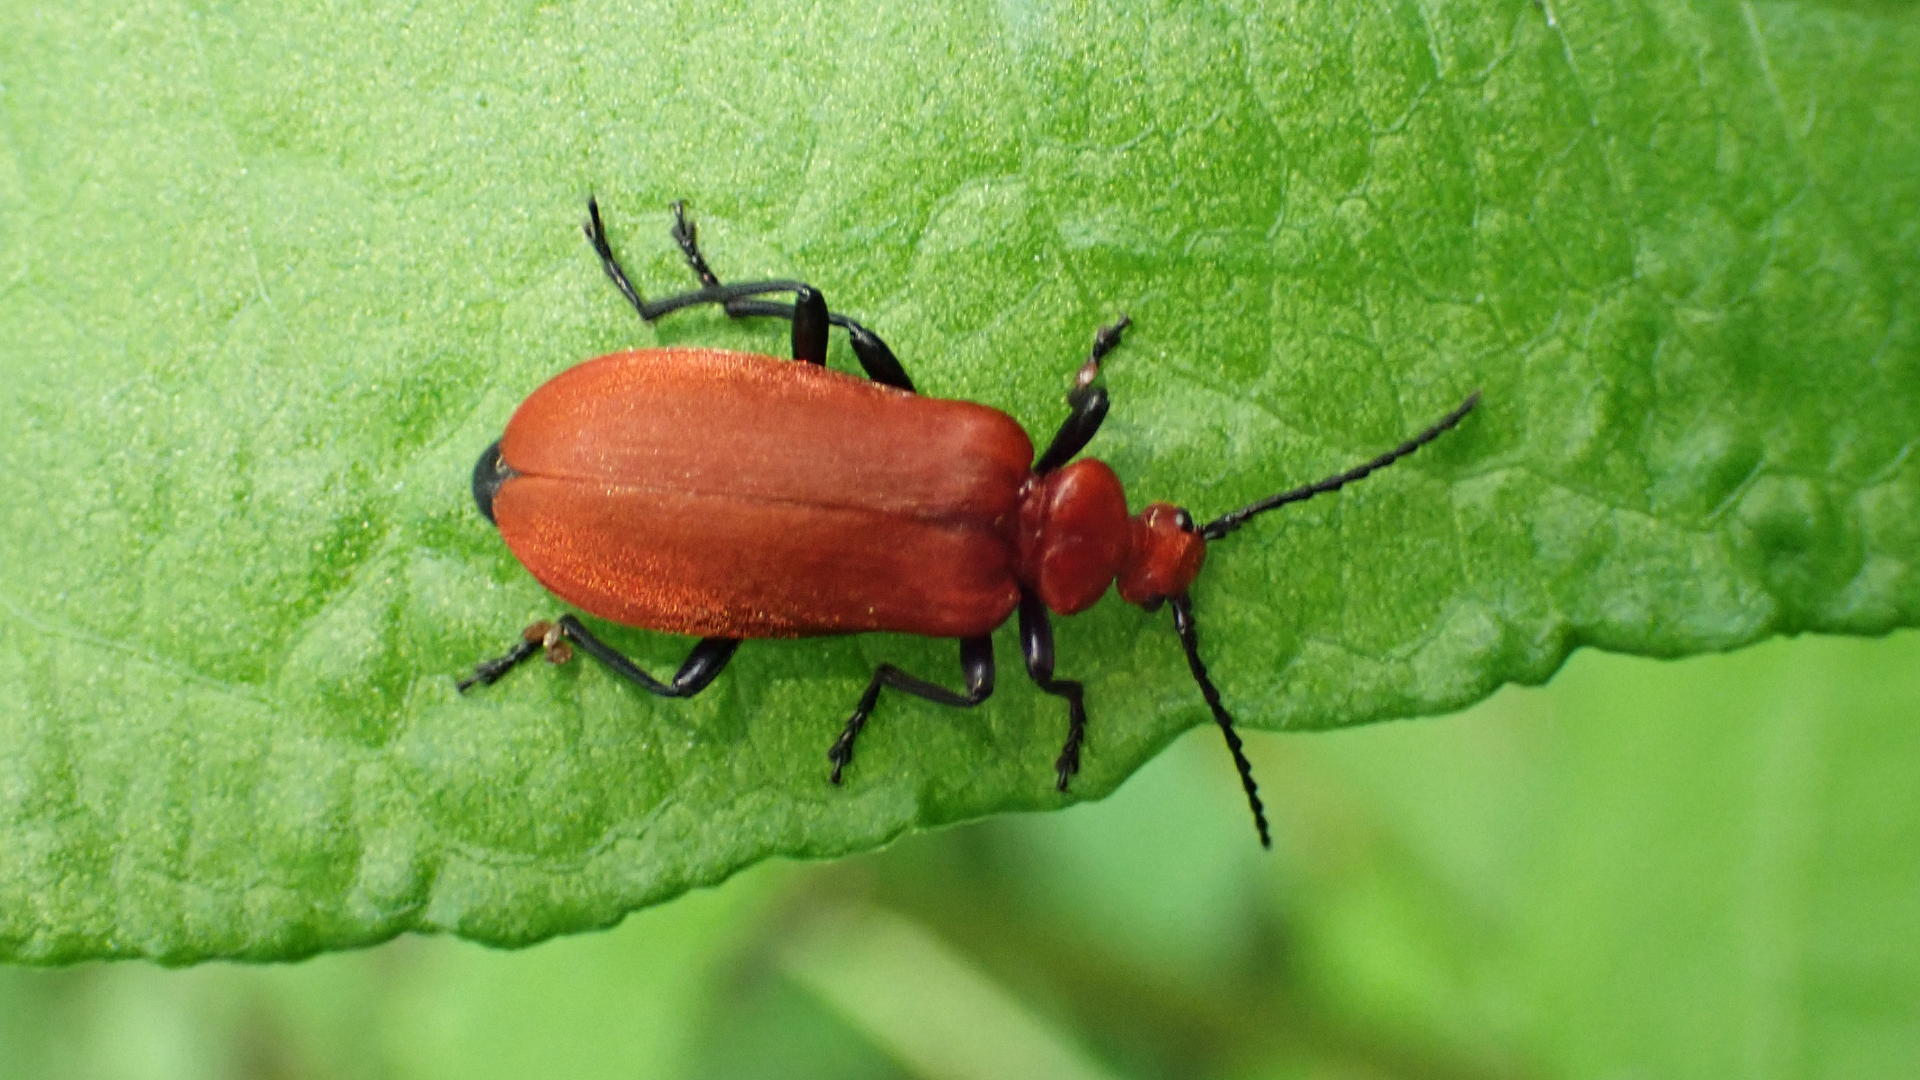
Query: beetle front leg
{"points": [[1088, 402], [976, 666], [1036, 646], [702, 665]]}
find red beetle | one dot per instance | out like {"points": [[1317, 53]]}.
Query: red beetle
{"points": [[727, 496]]}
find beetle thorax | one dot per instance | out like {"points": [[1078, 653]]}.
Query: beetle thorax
{"points": [[1074, 539]]}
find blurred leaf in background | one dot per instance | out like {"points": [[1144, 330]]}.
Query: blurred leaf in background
{"points": [[1698, 868]]}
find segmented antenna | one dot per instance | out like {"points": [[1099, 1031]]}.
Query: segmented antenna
{"points": [[1226, 523], [1183, 624]]}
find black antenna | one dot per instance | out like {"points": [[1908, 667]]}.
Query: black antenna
{"points": [[1226, 523], [1183, 624]]}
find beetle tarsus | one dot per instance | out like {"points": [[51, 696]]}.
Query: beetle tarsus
{"points": [[1067, 765], [534, 638], [842, 752], [1107, 339], [488, 672], [688, 238], [596, 231]]}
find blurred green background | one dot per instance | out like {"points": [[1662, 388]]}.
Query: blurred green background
{"points": [[1708, 867]]}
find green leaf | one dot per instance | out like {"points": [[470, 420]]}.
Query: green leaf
{"points": [[274, 275]]}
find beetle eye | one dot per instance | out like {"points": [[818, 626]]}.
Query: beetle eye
{"points": [[1184, 520]]}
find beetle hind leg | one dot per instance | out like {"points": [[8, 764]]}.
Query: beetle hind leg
{"points": [[976, 666], [596, 231], [558, 638], [487, 672], [808, 313], [688, 238]]}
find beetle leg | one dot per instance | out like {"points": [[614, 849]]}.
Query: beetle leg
{"points": [[488, 672], [650, 310], [688, 238], [1105, 340], [1089, 409], [740, 302], [702, 665], [808, 312], [976, 666], [809, 326], [596, 231], [742, 306], [1036, 646], [875, 358], [1087, 401]]}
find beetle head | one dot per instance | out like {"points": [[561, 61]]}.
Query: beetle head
{"points": [[1164, 554], [488, 474]]}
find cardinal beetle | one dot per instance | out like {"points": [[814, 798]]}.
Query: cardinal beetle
{"points": [[727, 496]]}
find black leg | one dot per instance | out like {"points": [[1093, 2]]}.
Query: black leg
{"points": [[741, 301], [875, 357], [809, 326], [650, 310], [1088, 402], [488, 672], [808, 312], [1036, 646], [976, 667], [703, 664], [689, 241]]}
